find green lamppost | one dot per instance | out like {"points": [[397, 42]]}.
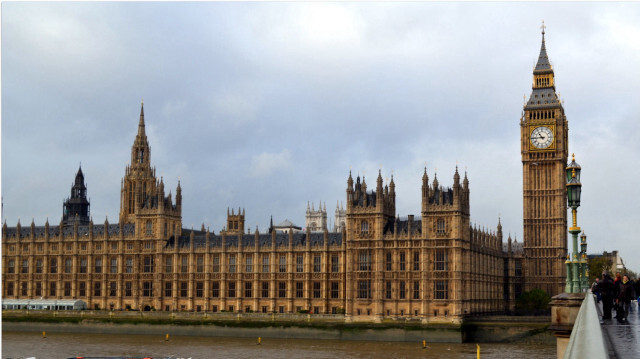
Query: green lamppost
{"points": [[574, 188], [584, 284]]}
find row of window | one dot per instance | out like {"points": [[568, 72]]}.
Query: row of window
{"points": [[83, 246], [441, 262], [148, 264], [182, 289], [441, 290], [364, 263]]}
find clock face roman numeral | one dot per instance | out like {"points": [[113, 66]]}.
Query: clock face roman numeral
{"points": [[541, 137]]}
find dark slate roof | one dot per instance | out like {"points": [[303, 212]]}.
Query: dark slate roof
{"points": [[248, 240], [541, 98], [447, 196], [543, 64], [68, 231], [403, 226]]}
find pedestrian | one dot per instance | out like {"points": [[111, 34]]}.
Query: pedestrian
{"points": [[637, 288], [595, 290], [627, 293], [616, 292], [605, 287]]}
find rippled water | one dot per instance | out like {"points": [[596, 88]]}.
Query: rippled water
{"points": [[65, 345]]}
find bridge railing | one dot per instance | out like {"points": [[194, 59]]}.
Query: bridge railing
{"points": [[587, 338]]}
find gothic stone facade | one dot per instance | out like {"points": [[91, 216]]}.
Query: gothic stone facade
{"points": [[437, 267], [380, 266]]}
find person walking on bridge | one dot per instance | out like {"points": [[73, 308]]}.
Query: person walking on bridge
{"points": [[605, 286], [627, 293]]}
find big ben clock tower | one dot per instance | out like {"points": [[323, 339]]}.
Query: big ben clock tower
{"points": [[544, 148]]}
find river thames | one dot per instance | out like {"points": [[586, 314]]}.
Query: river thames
{"points": [[65, 345]]}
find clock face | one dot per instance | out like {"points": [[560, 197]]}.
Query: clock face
{"points": [[541, 137]]}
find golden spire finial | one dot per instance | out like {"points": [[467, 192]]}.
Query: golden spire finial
{"points": [[573, 172], [573, 157]]}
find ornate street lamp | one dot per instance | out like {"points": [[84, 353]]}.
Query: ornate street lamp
{"points": [[576, 265]]}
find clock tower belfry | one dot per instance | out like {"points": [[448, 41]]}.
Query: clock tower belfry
{"points": [[544, 147]]}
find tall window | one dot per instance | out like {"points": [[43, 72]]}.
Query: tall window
{"points": [[11, 266], [416, 261], [215, 289], [149, 228], [316, 289], [39, 266], [364, 289], [364, 260], [83, 265], [52, 289], [248, 289], [316, 263], [402, 292], [98, 265], [112, 289], [364, 228], [216, 263], [148, 264], [82, 289], [389, 260], [53, 266], [282, 289], [199, 289], [335, 290], [282, 267], [299, 289], [67, 289], [403, 261], [335, 264], [184, 264], [442, 260], [249, 263], [200, 263], [232, 289], [440, 229], [168, 289], [416, 289], [232, 263], [265, 289], [265, 263], [387, 289], [68, 265], [114, 265], [128, 289], [184, 289], [9, 289], [147, 289], [97, 289], [299, 263], [441, 289], [128, 267], [25, 266]]}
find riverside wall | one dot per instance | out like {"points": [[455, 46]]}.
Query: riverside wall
{"points": [[271, 325]]}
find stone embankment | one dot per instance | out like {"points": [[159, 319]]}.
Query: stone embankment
{"points": [[272, 325]]}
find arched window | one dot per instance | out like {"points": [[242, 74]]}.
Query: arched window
{"points": [[440, 226], [364, 228]]}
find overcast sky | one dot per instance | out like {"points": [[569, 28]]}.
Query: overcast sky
{"points": [[267, 106]]}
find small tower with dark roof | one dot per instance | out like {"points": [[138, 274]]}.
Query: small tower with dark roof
{"points": [[76, 207]]}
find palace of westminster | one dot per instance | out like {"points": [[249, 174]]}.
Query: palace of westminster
{"points": [[372, 265]]}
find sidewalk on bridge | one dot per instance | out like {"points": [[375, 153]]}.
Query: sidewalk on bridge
{"points": [[623, 338]]}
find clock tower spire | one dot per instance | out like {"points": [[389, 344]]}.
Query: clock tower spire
{"points": [[544, 149]]}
